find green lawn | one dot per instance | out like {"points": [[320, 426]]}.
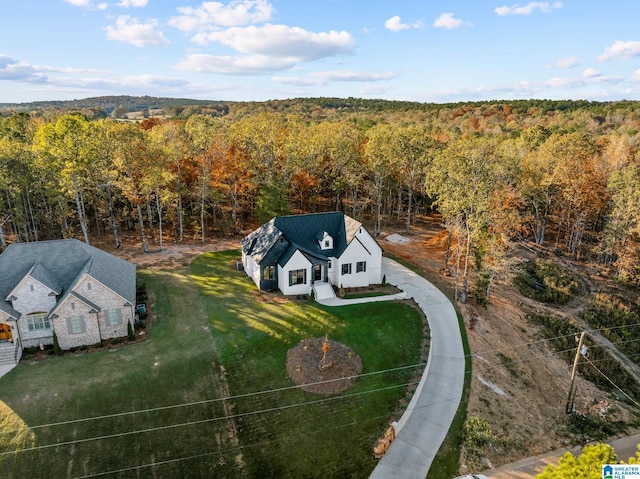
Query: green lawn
{"points": [[202, 319]]}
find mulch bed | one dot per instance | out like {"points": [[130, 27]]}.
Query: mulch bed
{"points": [[304, 366]]}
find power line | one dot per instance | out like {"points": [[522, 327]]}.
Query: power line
{"points": [[203, 421], [612, 383], [223, 451], [226, 398], [270, 391]]}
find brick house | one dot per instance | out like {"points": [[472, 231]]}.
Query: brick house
{"points": [[81, 293]]}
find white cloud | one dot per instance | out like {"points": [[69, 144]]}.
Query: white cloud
{"points": [[621, 49], [130, 30], [636, 76], [234, 65], [133, 3], [15, 70], [447, 20], [591, 73], [210, 15], [395, 24], [282, 41], [544, 7], [88, 4], [568, 62], [322, 78]]}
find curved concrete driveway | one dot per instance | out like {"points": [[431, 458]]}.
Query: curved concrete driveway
{"points": [[425, 423]]}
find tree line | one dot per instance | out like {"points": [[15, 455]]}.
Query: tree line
{"points": [[568, 178]]}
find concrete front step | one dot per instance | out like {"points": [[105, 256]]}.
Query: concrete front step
{"points": [[323, 291], [7, 354]]}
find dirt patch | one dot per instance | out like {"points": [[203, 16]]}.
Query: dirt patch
{"points": [[337, 373], [519, 385]]}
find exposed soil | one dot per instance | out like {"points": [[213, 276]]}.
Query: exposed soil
{"points": [[335, 374], [518, 385]]}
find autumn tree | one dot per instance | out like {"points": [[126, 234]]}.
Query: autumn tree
{"points": [[587, 465], [68, 147], [464, 180]]}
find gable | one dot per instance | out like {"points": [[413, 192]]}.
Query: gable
{"points": [[61, 263]]}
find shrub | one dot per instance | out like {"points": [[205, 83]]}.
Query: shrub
{"points": [[478, 437], [131, 335], [56, 346], [546, 282]]}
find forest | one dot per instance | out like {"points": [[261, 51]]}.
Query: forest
{"points": [[500, 174]]}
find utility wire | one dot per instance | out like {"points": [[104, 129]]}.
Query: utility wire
{"points": [[226, 398], [286, 388], [223, 451], [203, 421], [612, 383]]}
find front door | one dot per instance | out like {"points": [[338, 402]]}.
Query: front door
{"points": [[317, 272], [5, 332]]}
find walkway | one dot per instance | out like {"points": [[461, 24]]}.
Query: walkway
{"points": [[424, 425]]}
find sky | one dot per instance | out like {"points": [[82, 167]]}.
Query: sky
{"points": [[256, 50]]}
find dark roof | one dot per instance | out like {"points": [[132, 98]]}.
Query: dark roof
{"points": [[59, 264], [304, 233]]}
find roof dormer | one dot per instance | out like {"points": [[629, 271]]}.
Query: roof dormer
{"points": [[325, 240]]}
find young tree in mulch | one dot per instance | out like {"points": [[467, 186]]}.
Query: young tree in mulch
{"points": [[323, 366]]}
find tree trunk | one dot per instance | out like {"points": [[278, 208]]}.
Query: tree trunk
{"points": [[465, 275], [112, 218], [159, 208], [446, 253], [33, 221], [202, 201], [80, 207], [145, 246], [179, 192], [409, 209]]}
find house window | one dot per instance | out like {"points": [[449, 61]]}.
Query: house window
{"points": [[76, 325], [326, 243], [329, 264], [361, 266], [30, 287], [38, 322], [346, 268], [113, 317], [297, 276], [268, 272], [88, 286]]}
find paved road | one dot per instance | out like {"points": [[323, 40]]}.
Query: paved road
{"points": [[425, 423], [530, 467]]}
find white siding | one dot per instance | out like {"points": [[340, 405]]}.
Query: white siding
{"points": [[297, 261], [362, 248], [251, 268], [374, 264]]}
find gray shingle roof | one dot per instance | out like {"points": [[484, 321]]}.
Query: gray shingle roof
{"points": [[303, 232], [59, 264]]}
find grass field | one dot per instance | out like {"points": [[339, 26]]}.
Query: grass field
{"points": [[53, 411]]}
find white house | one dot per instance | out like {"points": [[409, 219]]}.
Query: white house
{"points": [[297, 254], [81, 293]]}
